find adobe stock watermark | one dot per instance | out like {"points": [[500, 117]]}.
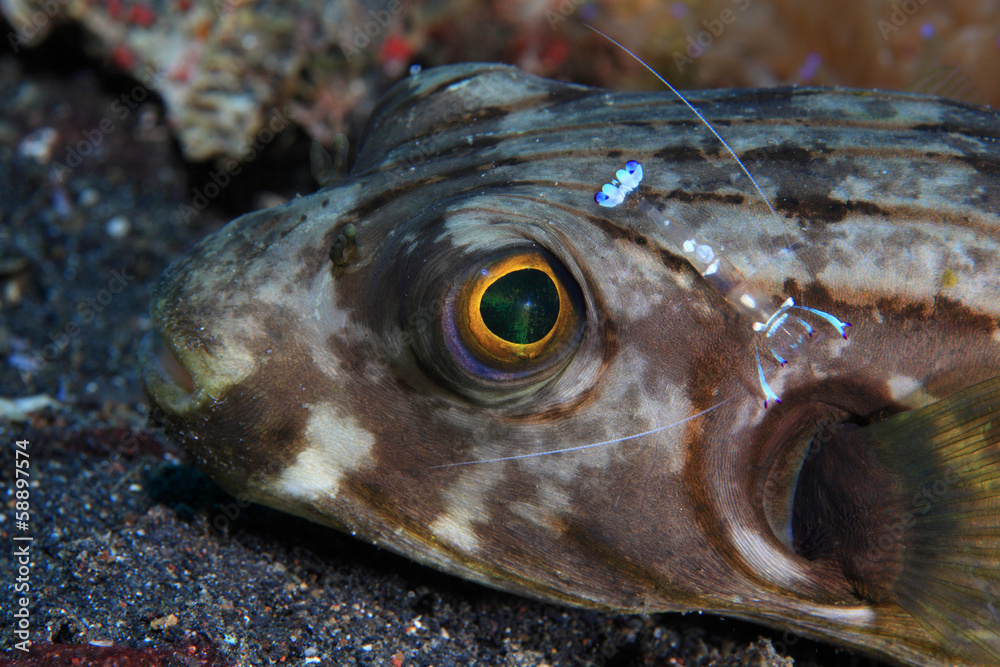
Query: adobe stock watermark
{"points": [[788, 640], [39, 20], [21, 561], [93, 137], [901, 13], [613, 645], [223, 176], [989, 613], [826, 431], [86, 312], [362, 35], [949, 81], [566, 9], [920, 504], [230, 511], [225, 6], [714, 28], [479, 93]]}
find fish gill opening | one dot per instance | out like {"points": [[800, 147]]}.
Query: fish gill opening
{"points": [[831, 501], [847, 512]]}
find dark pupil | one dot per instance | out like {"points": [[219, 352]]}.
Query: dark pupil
{"points": [[521, 307]]}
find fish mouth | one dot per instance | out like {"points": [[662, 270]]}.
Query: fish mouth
{"points": [[170, 384]]}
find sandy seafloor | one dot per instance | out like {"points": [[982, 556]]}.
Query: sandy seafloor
{"points": [[137, 558]]}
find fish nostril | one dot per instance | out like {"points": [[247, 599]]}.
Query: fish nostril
{"points": [[170, 365]]}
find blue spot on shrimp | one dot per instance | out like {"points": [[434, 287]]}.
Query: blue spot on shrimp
{"points": [[782, 333], [784, 330]]}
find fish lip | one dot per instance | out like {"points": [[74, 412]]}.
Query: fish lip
{"points": [[167, 381]]}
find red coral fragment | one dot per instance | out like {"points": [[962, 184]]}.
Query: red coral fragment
{"points": [[141, 15], [114, 8], [395, 49], [123, 57], [555, 53], [86, 655]]}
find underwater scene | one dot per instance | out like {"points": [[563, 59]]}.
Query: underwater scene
{"points": [[541, 333]]}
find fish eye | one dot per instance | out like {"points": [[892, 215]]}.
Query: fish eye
{"points": [[513, 307], [518, 308], [521, 308], [515, 317]]}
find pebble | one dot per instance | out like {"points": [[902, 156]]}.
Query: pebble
{"points": [[13, 265], [38, 145], [88, 197], [118, 227], [12, 293], [164, 622], [18, 409]]}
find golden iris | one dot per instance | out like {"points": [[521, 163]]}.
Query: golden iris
{"points": [[524, 306]]}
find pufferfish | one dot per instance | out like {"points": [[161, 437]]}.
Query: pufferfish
{"points": [[456, 354]]}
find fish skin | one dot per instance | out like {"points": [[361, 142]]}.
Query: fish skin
{"points": [[316, 389]]}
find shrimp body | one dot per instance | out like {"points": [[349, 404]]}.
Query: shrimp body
{"points": [[783, 330]]}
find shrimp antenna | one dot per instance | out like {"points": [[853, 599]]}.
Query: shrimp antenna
{"points": [[693, 110], [592, 445], [783, 332]]}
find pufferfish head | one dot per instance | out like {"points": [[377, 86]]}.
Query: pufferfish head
{"points": [[459, 298]]}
